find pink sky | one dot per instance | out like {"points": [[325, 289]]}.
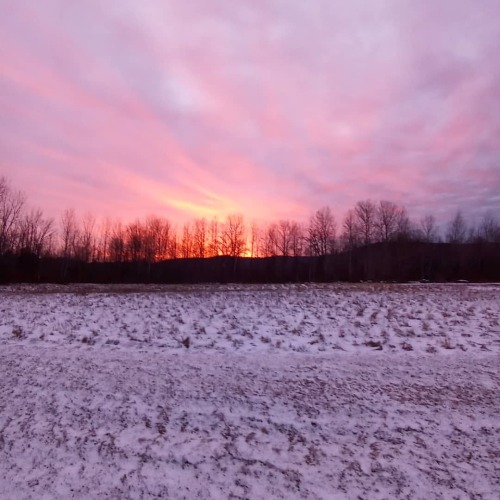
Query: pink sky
{"points": [[268, 108]]}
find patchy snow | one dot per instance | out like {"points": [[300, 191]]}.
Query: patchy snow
{"points": [[307, 391], [273, 319]]}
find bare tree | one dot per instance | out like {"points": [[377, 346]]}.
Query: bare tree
{"points": [[173, 246], [103, 241], [213, 238], [350, 237], [269, 241], [284, 237], [186, 241], [322, 231], [149, 230], [69, 233], [428, 229], [457, 229], [233, 236], [117, 247], [35, 233], [296, 239], [159, 232], [365, 219], [200, 238], [350, 231], [489, 229], [135, 241], [254, 240], [11, 205], [404, 225], [388, 220], [87, 240]]}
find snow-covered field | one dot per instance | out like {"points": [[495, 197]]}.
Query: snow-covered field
{"points": [[310, 391]]}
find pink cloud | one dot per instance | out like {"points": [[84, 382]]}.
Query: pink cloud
{"points": [[272, 109]]}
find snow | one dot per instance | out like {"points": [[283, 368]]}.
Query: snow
{"points": [[297, 391]]}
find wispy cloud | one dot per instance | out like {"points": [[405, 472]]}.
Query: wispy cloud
{"points": [[269, 108]]}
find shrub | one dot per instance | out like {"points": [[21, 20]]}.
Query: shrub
{"points": [[17, 332], [407, 346]]}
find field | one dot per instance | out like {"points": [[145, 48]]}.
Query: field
{"points": [[225, 391]]}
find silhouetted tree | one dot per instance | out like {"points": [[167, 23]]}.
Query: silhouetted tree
{"points": [[103, 240], [200, 238], [213, 238], [233, 242], [254, 240], [297, 239], [160, 237], [11, 205], [488, 229], [284, 237], [322, 231], [269, 243], [35, 233], [350, 232], [187, 241], [86, 245], [457, 229], [428, 231], [404, 225], [378, 242], [387, 220], [117, 246], [69, 233], [365, 220]]}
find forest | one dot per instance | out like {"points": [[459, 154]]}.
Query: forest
{"points": [[374, 241]]}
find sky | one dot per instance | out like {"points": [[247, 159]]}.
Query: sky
{"points": [[268, 108]]}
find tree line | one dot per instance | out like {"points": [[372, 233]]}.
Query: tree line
{"points": [[371, 241]]}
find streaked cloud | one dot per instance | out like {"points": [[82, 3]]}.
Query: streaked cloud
{"points": [[272, 109]]}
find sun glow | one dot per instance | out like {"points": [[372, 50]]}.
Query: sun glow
{"points": [[194, 209]]}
